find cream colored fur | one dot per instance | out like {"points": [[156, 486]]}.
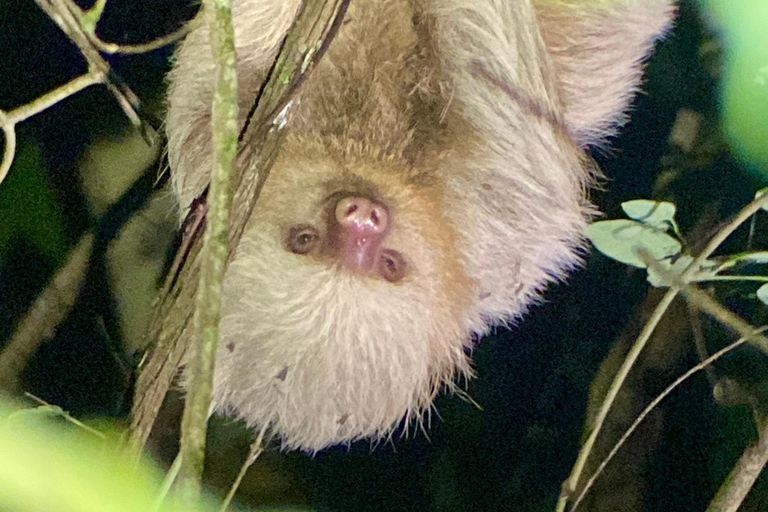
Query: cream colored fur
{"points": [[467, 117]]}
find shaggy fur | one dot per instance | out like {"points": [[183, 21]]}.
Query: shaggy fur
{"points": [[467, 119]]}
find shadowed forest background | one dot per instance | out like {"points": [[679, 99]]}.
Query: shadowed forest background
{"points": [[533, 380]]}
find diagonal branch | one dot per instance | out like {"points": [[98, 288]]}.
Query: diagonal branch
{"points": [[312, 31]]}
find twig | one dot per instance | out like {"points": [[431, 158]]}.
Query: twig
{"points": [[64, 414], [67, 16], [88, 19], [706, 303], [257, 448], [168, 481], [49, 309], [55, 96], [314, 27], [9, 152], [570, 485], [751, 463], [744, 474], [8, 120], [651, 406], [214, 252], [698, 340]]}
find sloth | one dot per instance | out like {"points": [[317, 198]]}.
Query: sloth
{"points": [[432, 182]]}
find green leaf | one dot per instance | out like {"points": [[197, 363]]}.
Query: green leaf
{"points": [[762, 294], [50, 465], [620, 240], [650, 212]]}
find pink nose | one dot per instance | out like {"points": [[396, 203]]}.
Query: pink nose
{"points": [[362, 217], [362, 227]]}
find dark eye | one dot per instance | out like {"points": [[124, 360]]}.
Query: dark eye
{"points": [[392, 266], [301, 239]]}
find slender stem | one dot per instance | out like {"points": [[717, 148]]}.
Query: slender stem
{"points": [[8, 120], [257, 448], [47, 312], [694, 318], [720, 237], [165, 488], [654, 403], [88, 20], [759, 279], [704, 302], [570, 485], [214, 252], [53, 97], [132, 49], [744, 474], [64, 414]]}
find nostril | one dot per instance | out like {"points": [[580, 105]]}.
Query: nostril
{"points": [[351, 209], [360, 213]]}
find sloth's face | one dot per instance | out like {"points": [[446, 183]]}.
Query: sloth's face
{"points": [[343, 308]]}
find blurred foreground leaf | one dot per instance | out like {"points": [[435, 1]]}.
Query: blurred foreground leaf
{"points": [[50, 465]]}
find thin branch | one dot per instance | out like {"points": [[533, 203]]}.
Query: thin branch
{"points": [[53, 305], [170, 325], [133, 49], [702, 301], [50, 308], [67, 16], [64, 414], [750, 334], [739, 482], [8, 120], [742, 477], [168, 481], [694, 319], [214, 252], [570, 485], [257, 448], [87, 21], [706, 363], [53, 97]]}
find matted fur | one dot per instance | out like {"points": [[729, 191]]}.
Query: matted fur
{"points": [[467, 118]]}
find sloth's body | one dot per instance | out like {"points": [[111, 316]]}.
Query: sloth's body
{"points": [[432, 183]]}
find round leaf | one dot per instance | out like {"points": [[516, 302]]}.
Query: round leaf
{"points": [[649, 212], [620, 240]]}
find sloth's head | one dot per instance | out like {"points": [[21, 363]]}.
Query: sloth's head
{"points": [[343, 307]]}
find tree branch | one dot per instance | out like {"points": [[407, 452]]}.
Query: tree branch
{"points": [[313, 29]]}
